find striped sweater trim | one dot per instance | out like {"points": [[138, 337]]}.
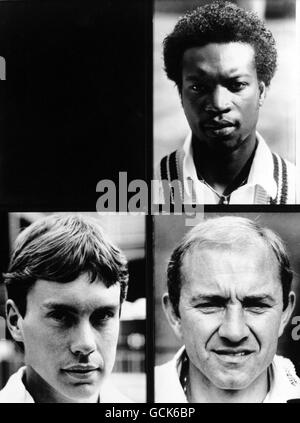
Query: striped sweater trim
{"points": [[281, 179], [171, 169]]}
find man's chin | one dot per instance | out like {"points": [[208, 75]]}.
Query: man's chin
{"points": [[82, 393], [233, 383], [224, 146]]}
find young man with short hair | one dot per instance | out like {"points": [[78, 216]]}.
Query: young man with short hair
{"points": [[66, 283], [222, 59]]}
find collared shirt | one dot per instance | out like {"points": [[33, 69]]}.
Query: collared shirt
{"points": [[284, 383], [16, 392], [259, 188]]}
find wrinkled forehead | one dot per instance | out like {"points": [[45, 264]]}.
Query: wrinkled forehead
{"points": [[252, 263]]}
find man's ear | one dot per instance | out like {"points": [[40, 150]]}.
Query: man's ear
{"points": [[14, 321], [262, 93], [173, 319], [286, 314]]}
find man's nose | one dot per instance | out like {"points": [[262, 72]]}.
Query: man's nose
{"points": [[83, 339], [234, 327], [219, 100]]}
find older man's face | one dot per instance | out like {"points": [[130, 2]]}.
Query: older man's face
{"points": [[70, 334], [221, 94], [231, 315]]}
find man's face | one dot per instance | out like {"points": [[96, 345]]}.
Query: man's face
{"points": [[230, 314], [70, 334], [221, 94]]}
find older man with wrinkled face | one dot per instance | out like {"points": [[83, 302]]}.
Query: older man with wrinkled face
{"points": [[231, 303]]}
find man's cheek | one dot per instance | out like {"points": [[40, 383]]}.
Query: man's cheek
{"points": [[192, 335], [108, 341], [32, 337]]}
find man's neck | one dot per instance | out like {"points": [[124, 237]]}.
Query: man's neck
{"points": [[201, 390], [42, 392], [221, 169]]}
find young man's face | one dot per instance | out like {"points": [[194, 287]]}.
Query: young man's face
{"points": [[70, 334], [231, 315], [221, 94]]}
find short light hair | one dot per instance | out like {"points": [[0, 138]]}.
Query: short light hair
{"points": [[227, 232], [59, 248]]}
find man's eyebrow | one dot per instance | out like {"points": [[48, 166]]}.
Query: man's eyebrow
{"points": [[259, 297], [220, 298], [50, 306], [201, 74], [211, 297]]}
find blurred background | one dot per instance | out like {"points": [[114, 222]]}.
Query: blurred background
{"points": [[277, 116], [128, 233], [169, 230]]}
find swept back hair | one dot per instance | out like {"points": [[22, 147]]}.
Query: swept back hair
{"points": [[228, 232]]}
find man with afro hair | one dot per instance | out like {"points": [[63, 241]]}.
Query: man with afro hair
{"points": [[222, 59]]}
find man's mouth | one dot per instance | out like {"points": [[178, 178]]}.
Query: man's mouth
{"points": [[81, 369], [218, 124], [82, 374], [219, 128], [85, 373], [233, 354]]}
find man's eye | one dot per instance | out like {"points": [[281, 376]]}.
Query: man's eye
{"points": [[256, 308], [61, 317], [198, 88], [237, 85], [103, 317], [210, 307]]}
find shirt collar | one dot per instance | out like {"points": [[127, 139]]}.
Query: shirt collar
{"points": [[261, 172], [15, 391], [284, 383]]}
